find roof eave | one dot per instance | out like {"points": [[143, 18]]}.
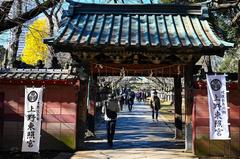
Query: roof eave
{"points": [[203, 50]]}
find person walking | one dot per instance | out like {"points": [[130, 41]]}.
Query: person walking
{"points": [[110, 115], [121, 102], [131, 98], [155, 105]]}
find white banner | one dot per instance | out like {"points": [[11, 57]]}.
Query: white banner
{"points": [[32, 119], [218, 109]]}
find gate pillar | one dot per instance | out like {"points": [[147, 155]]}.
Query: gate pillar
{"points": [[91, 106], [81, 114], [178, 107], [188, 91]]}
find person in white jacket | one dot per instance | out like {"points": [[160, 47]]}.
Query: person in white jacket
{"points": [[110, 110]]}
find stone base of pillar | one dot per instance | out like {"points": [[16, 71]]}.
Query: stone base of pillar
{"points": [[188, 138], [178, 134]]}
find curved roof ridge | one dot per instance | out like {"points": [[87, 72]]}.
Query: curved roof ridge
{"points": [[116, 1], [173, 9]]}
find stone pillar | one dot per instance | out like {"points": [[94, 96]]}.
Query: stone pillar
{"points": [[188, 92], [178, 107], [81, 114]]}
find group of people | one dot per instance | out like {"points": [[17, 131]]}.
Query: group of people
{"points": [[114, 104], [141, 96], [128, 99]]}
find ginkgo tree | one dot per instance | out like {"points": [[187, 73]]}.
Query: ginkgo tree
{"points": [[35, 49]]}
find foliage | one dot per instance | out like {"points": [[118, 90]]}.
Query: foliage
{"points": [[35, 49], [222, 20], [229, 63], [168, 1], [222, 23]]}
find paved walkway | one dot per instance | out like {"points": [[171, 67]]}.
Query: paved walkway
{"points": [[137, 137]]}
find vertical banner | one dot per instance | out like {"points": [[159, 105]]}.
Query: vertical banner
{"points": [[32, 119], [218, 110]]}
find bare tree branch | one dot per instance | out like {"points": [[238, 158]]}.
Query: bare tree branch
{"points": [[56, 14], [11, 23], [5, 9], [224, 6], [44, 11], [49, 16], [236, 18]]}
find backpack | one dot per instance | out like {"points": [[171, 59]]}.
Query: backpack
{"points": [[111, 114], [157, 103]]}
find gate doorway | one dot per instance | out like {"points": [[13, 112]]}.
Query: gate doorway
{"points": [[136, 129]]}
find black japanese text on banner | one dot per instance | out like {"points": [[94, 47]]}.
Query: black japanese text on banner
{"points": [[32, 119], [217, 105]]}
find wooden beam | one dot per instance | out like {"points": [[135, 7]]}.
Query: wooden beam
{"points": [[195, 51], [178, 107], [137, 70]]}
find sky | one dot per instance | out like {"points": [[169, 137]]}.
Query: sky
{"points": [[4, 37]]}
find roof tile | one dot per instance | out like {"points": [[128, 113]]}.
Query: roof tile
{"points": [[144, 25], [37, 74]]}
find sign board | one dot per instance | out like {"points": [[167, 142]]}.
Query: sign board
{"points": [[218, 109], [32, 119]]}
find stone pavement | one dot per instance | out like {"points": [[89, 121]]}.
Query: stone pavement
{"points": [[137, 137]]}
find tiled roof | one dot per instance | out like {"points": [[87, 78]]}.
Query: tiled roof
{"points": [[141, 25], [37, 74]]}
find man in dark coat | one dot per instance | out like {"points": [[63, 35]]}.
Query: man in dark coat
{"points": [[155, 105]]}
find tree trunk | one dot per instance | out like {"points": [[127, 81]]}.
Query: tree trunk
{"points": [[15, 32], [51, 51]]}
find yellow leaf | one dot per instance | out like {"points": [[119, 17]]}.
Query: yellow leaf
{"points": [[35, 49]]}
